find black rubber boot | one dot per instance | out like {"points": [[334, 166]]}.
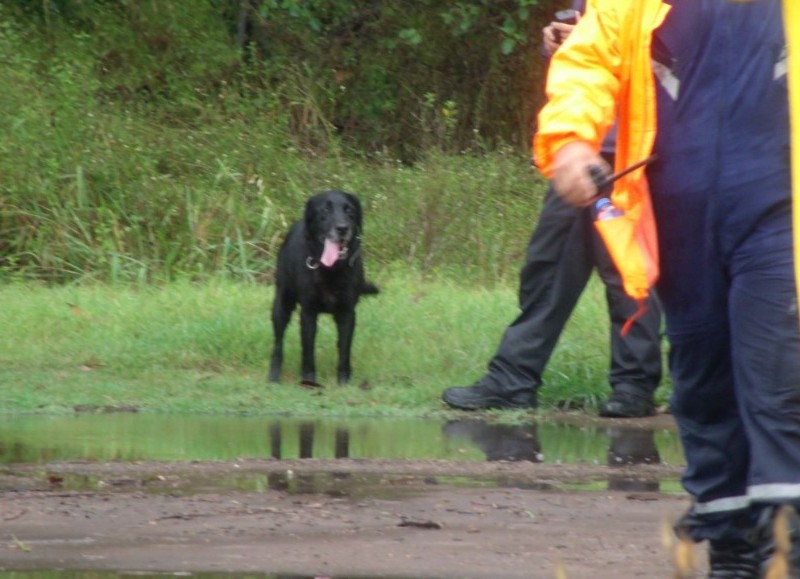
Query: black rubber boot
{"points": [[480, 397], [779, 533], [734, 560], [624, 405]]}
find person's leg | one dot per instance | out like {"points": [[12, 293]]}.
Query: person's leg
{"points": [[694, 292], [635, 370], [556, 270], [766, 360], [715, 444], [713, 438]]}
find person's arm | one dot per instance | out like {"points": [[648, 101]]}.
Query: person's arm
{"points": [[582, 87], [554, 34]]}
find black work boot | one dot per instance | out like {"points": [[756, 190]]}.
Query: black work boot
{"points": [[779, 533], [733, 560], [625, 405], [480, 397]]}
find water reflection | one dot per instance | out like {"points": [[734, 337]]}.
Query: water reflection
{"points": [[499, 441], [632, 446], [628, 446], [138, 437], [46, 441], [305, 430]]}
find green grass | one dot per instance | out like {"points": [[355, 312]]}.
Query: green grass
{"points": [[203, 347]]}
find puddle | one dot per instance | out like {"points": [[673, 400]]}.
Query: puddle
{"points": [[138, 437], [125, 438], [348, 485], [179, 471]]}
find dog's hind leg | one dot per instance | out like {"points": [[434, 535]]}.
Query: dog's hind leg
{"points": [[282, 309], [308, 337], [345, 326]]}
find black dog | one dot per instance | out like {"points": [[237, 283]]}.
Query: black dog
{"points": [[320, 268]]}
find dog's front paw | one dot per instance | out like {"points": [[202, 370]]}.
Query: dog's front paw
{"points": [[310, 384]]}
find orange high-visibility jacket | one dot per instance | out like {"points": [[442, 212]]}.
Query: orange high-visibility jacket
{"points": [[604, 72], [605, 64]]}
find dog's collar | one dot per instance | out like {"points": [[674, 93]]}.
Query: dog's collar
{"points": [[352, 259]]}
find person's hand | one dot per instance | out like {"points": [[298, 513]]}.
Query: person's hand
{"points": [[553, 35], [571, 178]]}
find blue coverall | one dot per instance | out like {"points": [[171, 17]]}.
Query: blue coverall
{"points": [[722, 198]]}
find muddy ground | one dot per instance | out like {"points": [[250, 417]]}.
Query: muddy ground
{"points": [[337, 518]]}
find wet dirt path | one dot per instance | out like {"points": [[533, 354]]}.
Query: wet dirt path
{"points": [[384, 519]]}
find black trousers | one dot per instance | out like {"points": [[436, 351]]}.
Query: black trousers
{"points": [[562, 253]]}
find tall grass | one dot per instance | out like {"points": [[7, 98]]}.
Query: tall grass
{"points": [[153, 203], [121, 162]]}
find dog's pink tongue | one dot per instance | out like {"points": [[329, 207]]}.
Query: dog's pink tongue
{"points": [[330, 253]]}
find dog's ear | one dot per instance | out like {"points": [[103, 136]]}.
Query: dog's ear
{"points": [[356, 203], [310, 215]]}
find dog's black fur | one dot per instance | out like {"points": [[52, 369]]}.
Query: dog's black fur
{"points": [[301, 278]]}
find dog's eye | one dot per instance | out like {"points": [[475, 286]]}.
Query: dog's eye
{"points": [[348, 209]]}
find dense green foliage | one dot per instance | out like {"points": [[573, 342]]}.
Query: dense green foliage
{"points": [[148, 140]]}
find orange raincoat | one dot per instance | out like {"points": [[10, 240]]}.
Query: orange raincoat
{"points": [[605, 61], [605, 64]]}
